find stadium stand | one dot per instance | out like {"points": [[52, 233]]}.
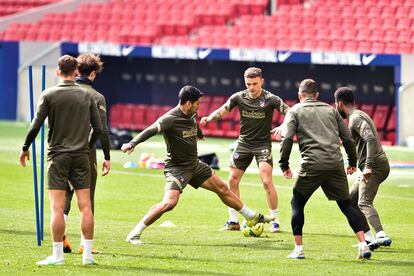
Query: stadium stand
{"points": [[8, 7], [372, 26]]}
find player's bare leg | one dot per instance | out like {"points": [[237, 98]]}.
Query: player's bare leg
{"points": [[233, 183], [168, 203], [265, 170]]}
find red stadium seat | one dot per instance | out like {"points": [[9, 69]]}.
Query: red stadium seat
{"points": [[380, 116]]}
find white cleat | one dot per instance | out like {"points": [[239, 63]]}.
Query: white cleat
{"points": [[134, 239], [274, 227], [87, 261], [296, 255], [364, 253], [51, 261]]}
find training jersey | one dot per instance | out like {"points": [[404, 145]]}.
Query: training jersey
{"points": [[366, 139], [99, 99], [180, 133], [319, 129], [256, 115], [71, 112]]}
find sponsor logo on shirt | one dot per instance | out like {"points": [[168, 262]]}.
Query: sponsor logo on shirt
{"points": [[190, 133], [253, 114]]}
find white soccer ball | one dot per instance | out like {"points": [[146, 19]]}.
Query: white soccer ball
{"points": [[254, 231]]}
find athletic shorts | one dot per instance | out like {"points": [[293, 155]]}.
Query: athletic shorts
{"points": [[333, 182], [68, 167], [178, 177], [243, 155]]}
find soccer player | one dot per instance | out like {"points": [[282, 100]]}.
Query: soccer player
{"points": [[319, 128], [373, 163], [256, 106], [89, 66], [71, 113], [182, 166]]}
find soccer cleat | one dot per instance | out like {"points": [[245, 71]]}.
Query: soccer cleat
{"points": [[258, 217], [51, 261], [274, 227], [231, 226], [372, 245], [67, 246], [134, 238], [383, 241], [364, 253], [94, 250], [89, 262], [296, 255]]}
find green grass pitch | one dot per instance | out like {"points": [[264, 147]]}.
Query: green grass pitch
{"points": [[195, 246]]}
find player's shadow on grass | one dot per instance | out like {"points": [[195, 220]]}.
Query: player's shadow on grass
{"points": [[256, 243], [181, 258], [377, 262], [17, 232], [118, 268], [329, 234]]}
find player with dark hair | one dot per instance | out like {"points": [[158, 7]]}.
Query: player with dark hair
{"points": [[373, 163], [256, 106], [89, 65], [319, 129], [71, 112], [182, 167]]}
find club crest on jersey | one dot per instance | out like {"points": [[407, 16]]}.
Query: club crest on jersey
{"points": [[261, 103], [236, 155], [181, 178]]}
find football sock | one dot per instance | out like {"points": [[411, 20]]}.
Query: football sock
{"points": [[362, 244], [368, 236], [87, 249], [247, 212], [381, 234], [233, 215], [298, 248], [57, 250], [274, 213], [140, 227]]}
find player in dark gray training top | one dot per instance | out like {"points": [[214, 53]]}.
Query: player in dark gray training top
{"points": [[71, 112], [89, 65], [319, 129], [256, 106], [373, 163], [181, 132]]}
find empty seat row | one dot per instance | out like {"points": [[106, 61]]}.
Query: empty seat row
{"points": [[139, 116]]}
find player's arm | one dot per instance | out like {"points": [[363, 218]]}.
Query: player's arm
{"points": [[367, 134], [348, 143], [104, 137], [161, 125], [282, 108], [290, 128], [41, 114], [200, 135], [216, 115], [95, 123]]}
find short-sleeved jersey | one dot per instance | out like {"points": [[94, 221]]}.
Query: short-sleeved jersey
{"points": [[256, 115], [366, 138]]}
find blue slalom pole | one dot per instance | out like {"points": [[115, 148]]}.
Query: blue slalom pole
{"points": [[36, 195], [42, 162]]}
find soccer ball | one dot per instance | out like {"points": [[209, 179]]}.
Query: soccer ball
{"points": [[254, 231]]}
